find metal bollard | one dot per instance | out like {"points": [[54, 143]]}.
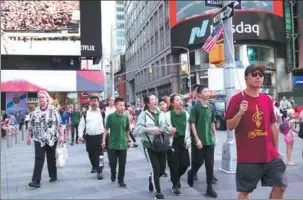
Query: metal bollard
{"points": [[16, 136], [22, 133], [9, 138]]}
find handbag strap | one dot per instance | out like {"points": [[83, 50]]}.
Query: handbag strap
{"points": [[147, 113]]}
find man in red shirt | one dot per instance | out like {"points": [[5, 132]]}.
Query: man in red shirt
{"points": [[251, 115]]}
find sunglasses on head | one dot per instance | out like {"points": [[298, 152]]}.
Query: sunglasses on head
{"points": [[257, 73]]}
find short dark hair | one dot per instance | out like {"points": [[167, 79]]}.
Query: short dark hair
{"points": [[201, 88], [195, 86], [118, 100], [94, 97]]}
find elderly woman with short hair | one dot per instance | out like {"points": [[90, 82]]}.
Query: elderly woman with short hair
{"points": [[44, 125]]}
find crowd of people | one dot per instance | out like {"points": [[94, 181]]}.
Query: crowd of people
{"points": [[168, 132], [37, 15]]}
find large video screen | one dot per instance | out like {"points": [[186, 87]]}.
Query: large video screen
{"points": [[51, 80], [38, 15], [187, 9]]}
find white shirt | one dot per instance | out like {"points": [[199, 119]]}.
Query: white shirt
{"points": [[94, 123], [108, 111]]}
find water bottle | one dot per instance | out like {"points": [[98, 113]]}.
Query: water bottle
{"points": [[101, 161]]}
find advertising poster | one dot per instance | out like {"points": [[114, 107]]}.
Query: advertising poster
{"points": [[297, 82], [15, 102]]}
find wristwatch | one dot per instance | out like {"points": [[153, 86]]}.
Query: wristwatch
{"points": [[129, 141]]}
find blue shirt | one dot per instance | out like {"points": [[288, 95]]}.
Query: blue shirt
{"points": [[64, 118]]}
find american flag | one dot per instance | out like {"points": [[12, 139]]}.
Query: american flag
{"points": [[213, 38]]}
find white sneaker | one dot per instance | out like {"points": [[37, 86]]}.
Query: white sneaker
{"points": [[291, 163]]}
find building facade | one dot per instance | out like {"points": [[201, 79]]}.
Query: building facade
{"points": [[118, 31], [151, 67]]}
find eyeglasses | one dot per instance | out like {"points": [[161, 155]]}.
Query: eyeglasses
{"points": [[255, 74]]}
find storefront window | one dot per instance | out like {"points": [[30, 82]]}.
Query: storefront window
{"points": [[259, 55]]}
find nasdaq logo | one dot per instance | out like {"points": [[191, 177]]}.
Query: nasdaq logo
{"points": [[198, 32]]}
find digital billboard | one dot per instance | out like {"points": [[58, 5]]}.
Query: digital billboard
{"points": [[246, 26], [37, 21], [91, 35], [51, 80], [184, 10]]}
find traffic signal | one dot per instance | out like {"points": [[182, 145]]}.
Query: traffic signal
{"points": [[185, 69]]}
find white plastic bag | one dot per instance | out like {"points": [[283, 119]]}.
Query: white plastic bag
{"points": [[61, 155]]}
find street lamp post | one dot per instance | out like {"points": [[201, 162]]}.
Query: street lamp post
{"points": [[111, 64], [188, 62]]}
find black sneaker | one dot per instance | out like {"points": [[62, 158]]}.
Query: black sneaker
{"points": [[122, 184], [150, 184], [93, 170], [175, 190], [52, 179], [35, 184], [211, 192], [72, 143], [179, 185], [99, 176], [159, 195], [113, 178], [190, 178], [135, 146]]}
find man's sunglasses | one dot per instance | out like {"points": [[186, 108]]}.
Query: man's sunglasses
{"points": [[255, 74]]}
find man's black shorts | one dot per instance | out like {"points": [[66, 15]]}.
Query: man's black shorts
{"points": [[271, 174]]}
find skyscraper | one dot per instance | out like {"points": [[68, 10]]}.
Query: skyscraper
{"points": [[118, 31]]}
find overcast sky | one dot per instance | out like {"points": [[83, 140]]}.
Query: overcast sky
{"points": [[108, 18]]}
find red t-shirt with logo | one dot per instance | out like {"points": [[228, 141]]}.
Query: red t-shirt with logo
{"points": [[254, 136]]}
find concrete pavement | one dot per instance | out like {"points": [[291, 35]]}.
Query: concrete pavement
{"points": [[76, 181]]}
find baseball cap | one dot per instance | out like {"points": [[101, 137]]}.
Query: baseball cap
{"points": [[254, 67]]}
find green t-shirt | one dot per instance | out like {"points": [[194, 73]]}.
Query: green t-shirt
{"points": [[75, 117], [178, 121], [203, 118], [119, 126]]}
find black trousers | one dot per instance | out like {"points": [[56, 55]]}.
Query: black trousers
{"points": [[198, 157], [94, 150], [157, 160], [39, 160], [117, 156], [26, 125], [20, 125], [73, 133], [178, 160]]}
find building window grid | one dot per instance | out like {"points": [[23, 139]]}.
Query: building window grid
{"points": [[167, 67], [161, 38], [152, 46], [156, 42], [163, 67]]}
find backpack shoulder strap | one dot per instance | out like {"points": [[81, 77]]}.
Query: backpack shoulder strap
{"points": [[84, 116]]}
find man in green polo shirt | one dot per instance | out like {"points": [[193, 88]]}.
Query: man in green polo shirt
{"points": [[119, 140], [203, 129]]}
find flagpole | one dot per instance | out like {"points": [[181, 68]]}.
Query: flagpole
{"points": [[229, 157]]}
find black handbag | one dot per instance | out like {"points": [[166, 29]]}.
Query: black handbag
{"points": [[160, 142]]}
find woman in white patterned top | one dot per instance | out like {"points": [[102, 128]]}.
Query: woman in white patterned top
{"points": [[44, 125]]}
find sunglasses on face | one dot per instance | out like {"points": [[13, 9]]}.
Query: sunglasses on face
{"points": [[255, 74]]}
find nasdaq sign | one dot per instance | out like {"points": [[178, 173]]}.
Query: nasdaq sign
{"points": [[198, 32]]}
